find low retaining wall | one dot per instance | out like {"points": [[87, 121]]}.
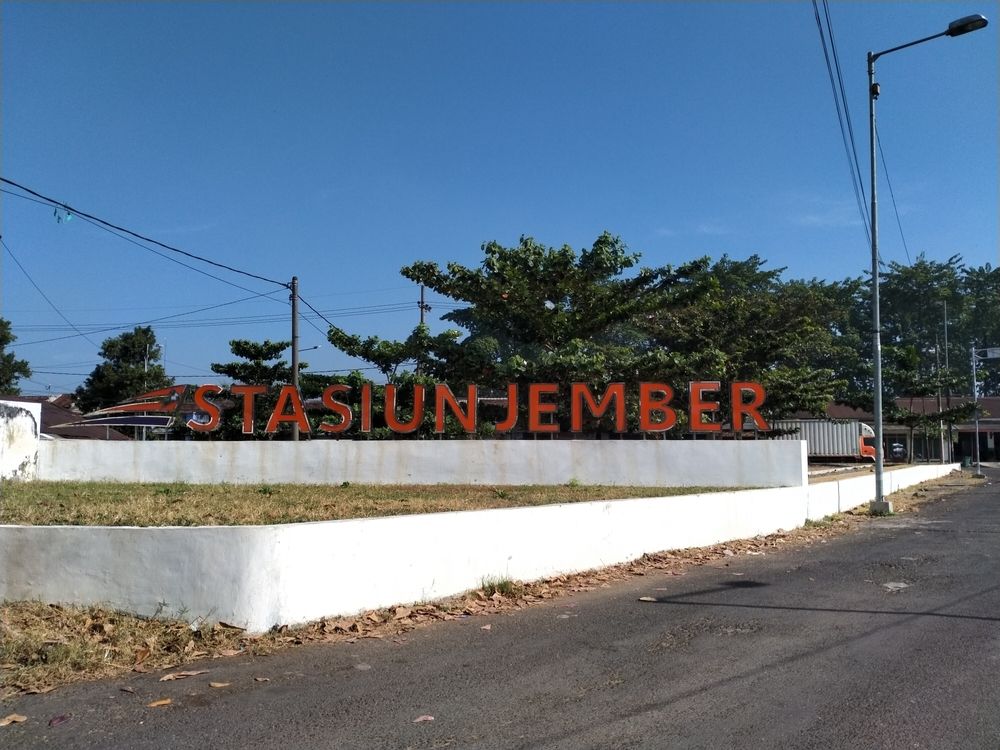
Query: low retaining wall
{"points": [[259, 576], [650, 463]]}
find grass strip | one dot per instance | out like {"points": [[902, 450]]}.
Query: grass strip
{"points": [[111, 504]]}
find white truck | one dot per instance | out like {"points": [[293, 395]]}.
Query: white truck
{"points": [[828, 439]]}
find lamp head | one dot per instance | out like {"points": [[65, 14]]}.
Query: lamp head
{"points": [[966, 24]]}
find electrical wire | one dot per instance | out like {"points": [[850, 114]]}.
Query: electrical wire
{"points": [[844, 100], [193, 256], [885, 169], [122, 236], [852, 162], [235, 320], [44, 295], [148, 322]]}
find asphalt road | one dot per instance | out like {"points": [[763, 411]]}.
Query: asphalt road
{"points": [[805, 648]]}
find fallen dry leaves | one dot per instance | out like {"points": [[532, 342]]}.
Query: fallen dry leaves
{"points": [[159, 703], [9, 719], [182, 675]]}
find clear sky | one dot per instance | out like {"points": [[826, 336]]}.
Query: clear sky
{"points": [[340, 141]]}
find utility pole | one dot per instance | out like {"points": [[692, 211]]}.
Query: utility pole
{"points": [[424, 308], [294, 297], [947, 369], [937, 372], [145, 382]]}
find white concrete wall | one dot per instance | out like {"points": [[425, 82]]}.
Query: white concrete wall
{"points": [[652, 463], [259, 576], [20, 432], [827, 498]]}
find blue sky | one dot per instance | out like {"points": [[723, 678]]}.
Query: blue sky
{"points": [[339, 141]]}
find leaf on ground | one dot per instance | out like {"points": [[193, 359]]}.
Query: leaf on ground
{"points": [[261, 679], [486, 627], [61, 719], [221, 624], [219, 684], [230, 652], [141, 654], [647, 599], [402, 612], [423, 718], [127, 690], [161, 702], [40, 690], [182, 675], [12, 719]]}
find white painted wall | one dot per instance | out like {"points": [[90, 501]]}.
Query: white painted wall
{"points": [[259, 576], [20, 431], [651, 463]]}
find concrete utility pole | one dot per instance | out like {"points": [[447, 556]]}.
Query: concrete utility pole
{"points": [[294, 297]]}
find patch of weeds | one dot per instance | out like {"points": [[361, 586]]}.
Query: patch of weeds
{"points": [[573, 482], [502, 585], [500, 493], [820, 523], [266, 490]]}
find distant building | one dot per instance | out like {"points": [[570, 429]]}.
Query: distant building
{"points": [[921, 447]]}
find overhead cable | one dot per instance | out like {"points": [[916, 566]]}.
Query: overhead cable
{"points": [[852, 163], [899, 223], [44, 295], [77, 212]]}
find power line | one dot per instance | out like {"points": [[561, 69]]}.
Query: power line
{"points": [[885, 168], [39, 290], [147, 322], [108, 224], [844, 99], [119, 235], [852, 159], [235, 320]]}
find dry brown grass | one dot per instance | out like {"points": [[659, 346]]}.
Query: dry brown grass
{"points": [[110, 504], [45, 645]]}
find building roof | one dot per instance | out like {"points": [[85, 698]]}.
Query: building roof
{"points": [[989, 410]]}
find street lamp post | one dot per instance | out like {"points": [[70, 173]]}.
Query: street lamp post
{"points": [[992, 352], [956, 28]]}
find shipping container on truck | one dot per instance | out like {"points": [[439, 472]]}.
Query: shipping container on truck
{"points": [[846, 439]]}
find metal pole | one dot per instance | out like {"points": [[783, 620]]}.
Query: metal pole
{"points": [[879, 504], [975, 399], [294, 297], [947, 369], [937, 369]]}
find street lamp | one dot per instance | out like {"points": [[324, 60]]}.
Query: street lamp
{"points": [[956, 28], [992, 352]]}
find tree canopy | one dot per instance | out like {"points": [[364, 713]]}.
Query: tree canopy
{"points": [[12, 369], [131, 367], [532, 313]]}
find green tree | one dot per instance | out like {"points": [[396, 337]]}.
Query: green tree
{"points": [[530, 313], [12, 369], [539, 314], [979, 326], [261, 363], [735, 320], [131, 366]]}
